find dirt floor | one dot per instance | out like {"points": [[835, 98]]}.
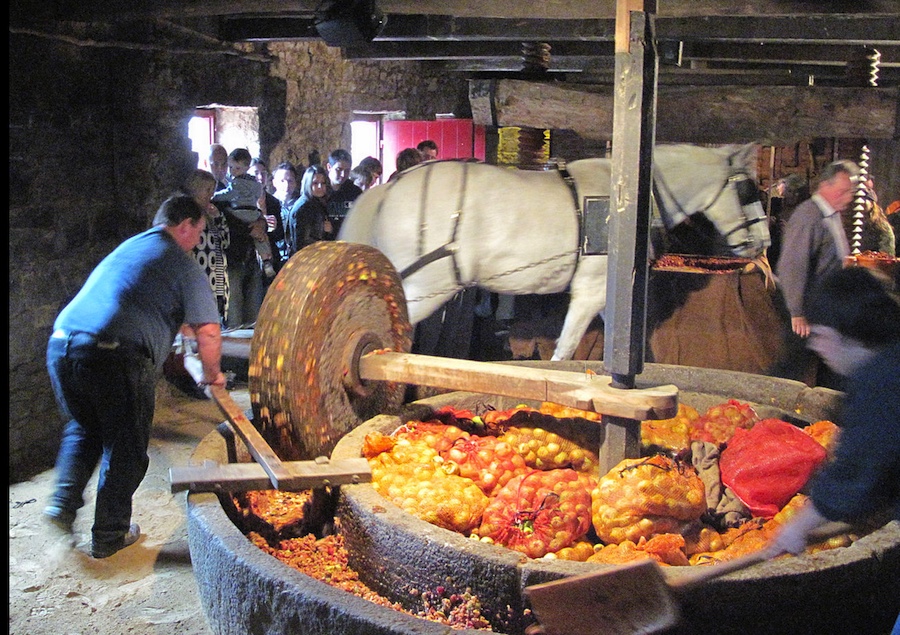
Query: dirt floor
{"points": [[145, 589]]}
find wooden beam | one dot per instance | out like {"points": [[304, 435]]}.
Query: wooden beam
{"points": [[774, 115], [246, 477], [872, 30], [557, 9], [446, 50], [629, 217]]}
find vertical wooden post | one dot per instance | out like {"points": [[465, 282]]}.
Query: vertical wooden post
{"points": [[634, 127]]}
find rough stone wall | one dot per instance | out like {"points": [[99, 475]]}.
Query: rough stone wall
{"points": [[98, 138]]}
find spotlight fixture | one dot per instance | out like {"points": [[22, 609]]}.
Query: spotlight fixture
{"points": [[350, 22]]}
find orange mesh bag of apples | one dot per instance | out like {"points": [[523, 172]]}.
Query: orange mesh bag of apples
{"points": [[665, 549], [640, 498], [826, 433], [672, 435], [428, 492], [545, 450], [717, 425]]}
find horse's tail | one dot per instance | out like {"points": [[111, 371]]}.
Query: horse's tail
{"points": [[359, 224]]}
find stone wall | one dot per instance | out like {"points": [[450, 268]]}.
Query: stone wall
{"points": [[323, 91], [98, 138]]}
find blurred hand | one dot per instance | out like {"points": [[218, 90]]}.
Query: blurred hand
{"points": [[271, 222], [793, 537], [800, 326]]}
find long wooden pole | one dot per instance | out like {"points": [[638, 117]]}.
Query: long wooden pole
{"points": [[634, 122]]}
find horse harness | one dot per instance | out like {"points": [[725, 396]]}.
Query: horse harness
{"points": [[449, 249], [747, 193]]}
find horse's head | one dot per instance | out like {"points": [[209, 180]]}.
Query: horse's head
{"points": [[709, 197]]}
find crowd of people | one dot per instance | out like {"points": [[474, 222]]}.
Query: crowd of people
{"points": [[257, 218]]}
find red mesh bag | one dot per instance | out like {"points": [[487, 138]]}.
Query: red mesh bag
{"points": [[489, 462], [766, 465], [539, 512]]}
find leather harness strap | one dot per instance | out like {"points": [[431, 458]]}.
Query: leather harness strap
{"points": [[569, 180], [448, 249]]}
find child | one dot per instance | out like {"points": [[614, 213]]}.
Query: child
{"points": [[242, 196]]}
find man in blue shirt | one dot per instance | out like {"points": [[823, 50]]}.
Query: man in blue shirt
{"points": [[104, 356]]}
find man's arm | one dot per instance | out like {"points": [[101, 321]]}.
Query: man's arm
{"points": [[209, 351], [794, 267]]}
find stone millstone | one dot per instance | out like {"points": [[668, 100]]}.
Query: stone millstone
{"points": [[330, 303]]}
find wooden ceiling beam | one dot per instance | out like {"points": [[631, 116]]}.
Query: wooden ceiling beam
{"points": [[773, 115], [815, 54], [841, 29], [547, 10], [470, 50]]}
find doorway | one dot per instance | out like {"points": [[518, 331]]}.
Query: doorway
{"points": [[232, 126]]}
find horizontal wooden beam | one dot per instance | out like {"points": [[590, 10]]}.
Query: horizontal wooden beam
{"points": [[874, 30], [773, 115], [570, 9], [447, 50], [246, 477], [811, 54]]}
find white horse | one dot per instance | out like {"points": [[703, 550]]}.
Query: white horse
{"points": [[449, 225]]}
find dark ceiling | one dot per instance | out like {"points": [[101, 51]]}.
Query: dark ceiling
{"points": [[713, 49], [701, 42]]}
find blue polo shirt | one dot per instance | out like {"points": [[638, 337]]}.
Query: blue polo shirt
{"points": [[142, 293]]}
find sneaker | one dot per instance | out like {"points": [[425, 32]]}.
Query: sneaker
{"points": [[59, 519], [105, 551]]}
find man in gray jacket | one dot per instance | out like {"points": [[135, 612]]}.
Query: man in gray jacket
{"points": [[815, 243]]}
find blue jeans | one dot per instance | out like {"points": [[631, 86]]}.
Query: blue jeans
{"points": [[108, 398]]}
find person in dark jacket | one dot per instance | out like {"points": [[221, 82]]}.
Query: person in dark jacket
{"points": [[308, 219], [855, 327], [343, 191]]}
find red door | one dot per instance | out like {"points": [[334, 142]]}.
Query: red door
{"points": [[455, 138]]}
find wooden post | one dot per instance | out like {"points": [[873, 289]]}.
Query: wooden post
{"points": [[634, 123]]}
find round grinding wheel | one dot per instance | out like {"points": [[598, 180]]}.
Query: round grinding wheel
{"points": [[331, 303]]}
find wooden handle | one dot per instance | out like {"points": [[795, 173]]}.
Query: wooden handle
{"points": [[260, 450], [698, 575], [586, 391]]}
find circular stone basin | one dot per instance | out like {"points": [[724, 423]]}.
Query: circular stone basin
{"points": [[243, 590]]}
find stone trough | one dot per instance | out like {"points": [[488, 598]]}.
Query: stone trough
{"points": [[245, 591]]}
